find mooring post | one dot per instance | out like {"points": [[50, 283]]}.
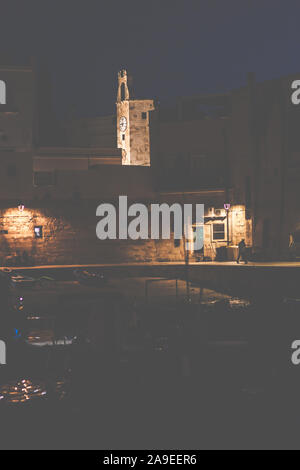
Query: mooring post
{"points": [[201, 294], [146, 290], [187, 275]]}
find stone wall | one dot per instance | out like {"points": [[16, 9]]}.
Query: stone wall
{"points": [[139, 131], [239, 228], [91, 132], [69, 237]]}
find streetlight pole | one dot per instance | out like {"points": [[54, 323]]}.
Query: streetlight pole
{"points": [[186, 241], [227, 209]]}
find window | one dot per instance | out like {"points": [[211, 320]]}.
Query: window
{"points": [[296, 237], [3, 136], [199, 162], [170, 162], [44, 178], [144, 115], [123, 92], [38, 231], [11, 171], [177, 242], [218, 231], [2, 92], [123, 136]]}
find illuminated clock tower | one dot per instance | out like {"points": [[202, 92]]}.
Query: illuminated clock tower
{"points": [[133, 135]]}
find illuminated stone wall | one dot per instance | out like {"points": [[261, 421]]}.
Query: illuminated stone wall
{"points": [[69, 237], [239, 228], [134, 137], [139, 131]]}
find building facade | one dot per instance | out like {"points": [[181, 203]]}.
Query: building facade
{"points": [[133, 116], [237, 153]]}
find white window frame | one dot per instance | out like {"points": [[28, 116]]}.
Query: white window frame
{"points": [[221, 240]]}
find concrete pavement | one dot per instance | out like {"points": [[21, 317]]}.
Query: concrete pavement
{"points": [[254, 280], [271, 264]]}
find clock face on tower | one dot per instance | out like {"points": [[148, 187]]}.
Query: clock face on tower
{"points": [[123, 124]]}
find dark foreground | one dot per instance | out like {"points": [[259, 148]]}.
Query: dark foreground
{"points": [[92, 367]]}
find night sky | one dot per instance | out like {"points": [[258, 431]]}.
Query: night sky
{"points": [[172, 48]]}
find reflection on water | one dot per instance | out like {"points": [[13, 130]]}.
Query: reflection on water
{"points": [[235, 302], [149, 338], [22, 391], [148, 356], [161, 344]]}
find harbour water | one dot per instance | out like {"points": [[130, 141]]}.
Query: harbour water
{"points": [[147, 363]]}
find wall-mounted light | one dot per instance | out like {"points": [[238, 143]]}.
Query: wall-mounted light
{"points": [[38, 231]]}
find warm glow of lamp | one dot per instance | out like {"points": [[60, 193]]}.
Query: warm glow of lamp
{"points": [[21, 207]]}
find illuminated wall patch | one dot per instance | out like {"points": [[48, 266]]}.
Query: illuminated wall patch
{"points": [[2, 353], [2, 92]]}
